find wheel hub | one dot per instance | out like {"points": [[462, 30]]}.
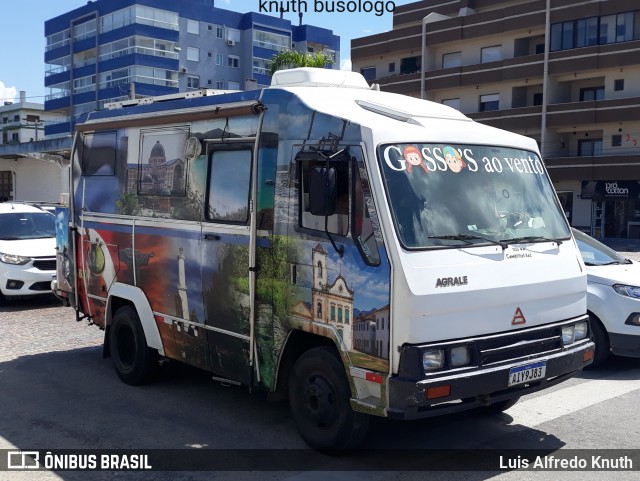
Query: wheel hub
{"points": [[320, 400]]}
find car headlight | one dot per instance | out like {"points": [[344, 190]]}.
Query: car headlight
{"points": [[460, 356], [13, 259], [568, 335], [629, 291], [581, 331], [432, 359]]}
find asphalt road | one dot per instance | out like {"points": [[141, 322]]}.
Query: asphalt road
{"points": [[57, 392]]}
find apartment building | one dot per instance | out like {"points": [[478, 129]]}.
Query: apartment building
{"points": [[111, 50], [564, 72], [24, 121], [25, 175]]}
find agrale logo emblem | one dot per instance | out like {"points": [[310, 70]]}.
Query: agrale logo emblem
{"points": [[518, 318]]}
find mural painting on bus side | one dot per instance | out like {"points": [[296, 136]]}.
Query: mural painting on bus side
{"points": [[339, 294]]}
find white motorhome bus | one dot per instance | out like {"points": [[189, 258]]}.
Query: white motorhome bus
{"points": [[359, 252]]}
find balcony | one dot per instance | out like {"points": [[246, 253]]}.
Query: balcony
{"points": [[593, 112], [511, 119], [600, 167]]}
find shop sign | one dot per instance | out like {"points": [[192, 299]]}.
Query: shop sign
{"points": [[610, 189]]}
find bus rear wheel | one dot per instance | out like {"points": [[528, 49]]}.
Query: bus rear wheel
{"points": [[319, 395], [134, 362]]}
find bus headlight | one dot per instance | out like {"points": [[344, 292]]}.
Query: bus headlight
{"points": [[460, 356], [432, 359], [568, 335], [581, 331]]}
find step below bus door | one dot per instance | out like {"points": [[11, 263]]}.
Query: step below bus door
{"points": [[225, 261]]}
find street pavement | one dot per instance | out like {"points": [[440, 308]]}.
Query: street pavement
{"points": [[57, 392]]}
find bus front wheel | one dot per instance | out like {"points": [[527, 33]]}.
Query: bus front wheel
{"points": [[134, 362], [319, 396]]}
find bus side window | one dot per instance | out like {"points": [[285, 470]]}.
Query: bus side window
{"points": [[99, 154], [363, 233], [229, 186], [338, 223]]}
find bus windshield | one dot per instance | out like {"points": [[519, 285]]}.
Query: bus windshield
{"points": [[452, 195]]}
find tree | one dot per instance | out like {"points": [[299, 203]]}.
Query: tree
{"points": [[294, 59]]}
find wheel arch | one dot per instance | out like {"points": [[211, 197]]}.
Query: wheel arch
{"points": [[296, 344], [121, 295]]}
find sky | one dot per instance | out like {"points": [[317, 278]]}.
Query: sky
{"points": [[22, 41]]}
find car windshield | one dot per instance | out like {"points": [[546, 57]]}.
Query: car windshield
{"points": [[26, 225], [448, 195], [595, 253]]}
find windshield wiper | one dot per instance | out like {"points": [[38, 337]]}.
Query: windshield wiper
{"points": [[532, 238], [468, 238]]}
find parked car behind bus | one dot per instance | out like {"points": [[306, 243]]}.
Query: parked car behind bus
{"points": [[27, 249], [613, 299]]}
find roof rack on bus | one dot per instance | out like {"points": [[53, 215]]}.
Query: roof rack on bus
{"points": [[163, 98]]}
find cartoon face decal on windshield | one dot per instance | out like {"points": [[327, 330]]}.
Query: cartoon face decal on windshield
{"points": [[453, 159], [413, 157]]}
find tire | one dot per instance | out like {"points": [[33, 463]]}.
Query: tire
{"points": [[501, 406], [319, 396], [601, 339], [134, 362]]}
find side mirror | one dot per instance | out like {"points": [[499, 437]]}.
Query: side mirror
{"points": [[323, 191]]}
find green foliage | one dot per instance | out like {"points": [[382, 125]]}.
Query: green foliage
{"points": [[127, 204], [293, 59]]}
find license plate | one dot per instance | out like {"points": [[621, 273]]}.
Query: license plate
{"points": [[528, 373]]}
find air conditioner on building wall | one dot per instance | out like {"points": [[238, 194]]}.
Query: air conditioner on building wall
{"points": [[231, 43], [183, 69]]}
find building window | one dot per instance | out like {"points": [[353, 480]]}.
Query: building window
{"points": [[369, 73], [209, 27], [15, 137], [333, 312], [590, 31], [193, 26], [491, 54], [6, 185], [591, 93], [210, 54], [589, 148], [193, 82], [537, 98], [220, 84], [193, 54], [209, 82], [616, 140], [453, 103], [618, 85], [450, 60], [539, 48], [219, 32], [233, 61], [489, 102], [219, 59], [409, 65], [392, 67]]}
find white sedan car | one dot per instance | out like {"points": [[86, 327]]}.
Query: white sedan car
{"points": [[613, 299], [27, 250]]}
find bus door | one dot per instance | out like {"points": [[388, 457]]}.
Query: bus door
{"points": [[225, 258]]}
